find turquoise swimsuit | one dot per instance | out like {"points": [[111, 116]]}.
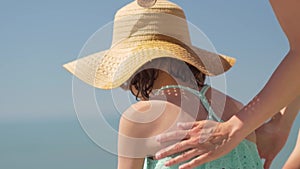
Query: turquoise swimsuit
{"points": [[244, 156]]}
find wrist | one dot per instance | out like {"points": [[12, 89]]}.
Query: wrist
{"points": [[236, 128]]}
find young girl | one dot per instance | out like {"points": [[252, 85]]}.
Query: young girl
{"points": [[153, 57], [170, 97]]}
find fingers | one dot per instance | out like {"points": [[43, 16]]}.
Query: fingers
{"points": [[195, 162], [198, 125], [176, 148], [187, 125], [173, 136], [183, 157]]}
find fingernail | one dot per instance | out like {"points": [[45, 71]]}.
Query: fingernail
{"points": [[158, 155], [158, 138], [167, 163], [179, 124]]}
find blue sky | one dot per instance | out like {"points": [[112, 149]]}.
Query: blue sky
{"points": [[37, 37]]}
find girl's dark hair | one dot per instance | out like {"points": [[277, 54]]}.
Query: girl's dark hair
{"points": [[143, 81]]}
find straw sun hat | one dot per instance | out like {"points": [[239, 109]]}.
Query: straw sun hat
{"points": [[139, 36]]}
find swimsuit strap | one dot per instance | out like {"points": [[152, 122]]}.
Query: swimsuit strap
{"points": [[201, 95], [211, 114]]}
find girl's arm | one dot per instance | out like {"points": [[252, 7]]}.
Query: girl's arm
{"points": [[130, 163], [137, 128], [129, 134]]}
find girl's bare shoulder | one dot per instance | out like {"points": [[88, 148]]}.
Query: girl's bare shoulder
{"points": [[144, 120], [223, 104], [148, 118]]}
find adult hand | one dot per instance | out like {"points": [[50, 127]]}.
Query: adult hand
{"points": [[203, 140], [270, 139]]}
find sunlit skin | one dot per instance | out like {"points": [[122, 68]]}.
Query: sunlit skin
{"points": [[165, 121], [281, 89], [276, 131], [293, 162]]}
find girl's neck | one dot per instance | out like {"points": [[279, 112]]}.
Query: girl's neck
{"points": [[164, 79]]}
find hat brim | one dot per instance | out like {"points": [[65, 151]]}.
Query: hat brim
{"points": [[111, 68]]}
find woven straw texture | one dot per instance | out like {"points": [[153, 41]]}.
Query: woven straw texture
{"points": [[139, 36]]}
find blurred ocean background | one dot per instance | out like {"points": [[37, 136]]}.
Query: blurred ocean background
{"points": [[62, 144], [39, 128], [49, 144]]}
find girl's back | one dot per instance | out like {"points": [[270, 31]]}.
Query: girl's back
{"points": [[179, 104]]}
